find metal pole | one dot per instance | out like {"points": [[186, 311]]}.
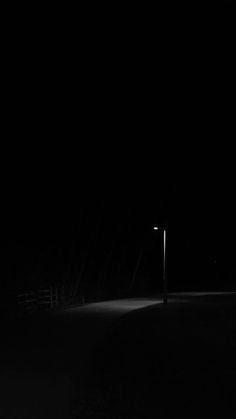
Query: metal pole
{"points": [[165, 290]]}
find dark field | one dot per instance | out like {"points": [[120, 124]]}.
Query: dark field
{"points": [[122, 359]]}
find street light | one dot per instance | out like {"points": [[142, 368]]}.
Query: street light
{"points": [[165, 290]]}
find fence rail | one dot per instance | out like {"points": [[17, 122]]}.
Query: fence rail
{"points": [[38, 300]]}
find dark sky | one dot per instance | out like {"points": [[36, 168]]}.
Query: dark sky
{"points": [[141, 125]]}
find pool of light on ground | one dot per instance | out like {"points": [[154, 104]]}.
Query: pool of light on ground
{"points": [[122, 306]]}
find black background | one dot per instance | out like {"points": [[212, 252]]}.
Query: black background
{"points": [[131, 117]]}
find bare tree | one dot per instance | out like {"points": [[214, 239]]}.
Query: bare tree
{"points": [[86, 255], [134, 276]]}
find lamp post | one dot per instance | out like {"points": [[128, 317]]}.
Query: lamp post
{"points": [[164, 284]]}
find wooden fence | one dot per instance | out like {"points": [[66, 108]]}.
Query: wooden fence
{"points": [[42, 299]]}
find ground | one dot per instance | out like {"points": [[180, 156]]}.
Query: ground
{"points": [[133, 358]]}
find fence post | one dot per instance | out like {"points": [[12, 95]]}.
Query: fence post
{"points": [[51, 302], [61, 295], [56, 297]]}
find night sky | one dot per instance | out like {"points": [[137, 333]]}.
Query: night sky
{"points": [[137, 133]]}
